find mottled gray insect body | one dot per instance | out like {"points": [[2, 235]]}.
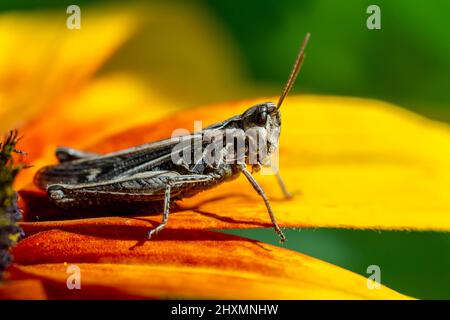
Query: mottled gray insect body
{"points": [[159, 173]]}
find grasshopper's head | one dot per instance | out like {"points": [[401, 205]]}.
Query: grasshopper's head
{"points": [[265, 118]]}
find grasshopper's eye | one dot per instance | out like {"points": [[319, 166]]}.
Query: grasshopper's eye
{"points": [[261, 118]]}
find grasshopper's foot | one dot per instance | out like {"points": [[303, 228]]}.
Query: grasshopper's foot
{"points": [[154, 232], [151, 233], [280, 233], [157, 229], [282, 236], [288, 195]]}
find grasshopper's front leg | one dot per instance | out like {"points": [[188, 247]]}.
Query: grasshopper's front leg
{"points": [[286, 193], [261, 192]]}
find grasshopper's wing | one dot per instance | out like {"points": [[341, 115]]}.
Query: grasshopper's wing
{"points": [[64, 154], [149, 157]]}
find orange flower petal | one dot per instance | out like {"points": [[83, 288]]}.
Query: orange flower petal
{"points": [[183, 265], [29, 289]]}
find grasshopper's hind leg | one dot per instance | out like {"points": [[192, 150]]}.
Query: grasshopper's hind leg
{"points": [[165, 213], [140, 188]]}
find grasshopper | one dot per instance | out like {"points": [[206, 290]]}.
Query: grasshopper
{"points": [[147, 175]]}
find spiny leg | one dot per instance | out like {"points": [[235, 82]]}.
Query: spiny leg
{"points": [[165, 213], [286, 193], [175, 181], [261, 192], [151, 186]]}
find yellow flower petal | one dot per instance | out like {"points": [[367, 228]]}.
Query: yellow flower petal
{"points": [[353, 163], [41, 61]]}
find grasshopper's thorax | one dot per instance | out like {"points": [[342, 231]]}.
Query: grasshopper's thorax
{"points": [[265, 118]]}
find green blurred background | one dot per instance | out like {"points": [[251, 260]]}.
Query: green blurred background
{"points": [[215, 50]]}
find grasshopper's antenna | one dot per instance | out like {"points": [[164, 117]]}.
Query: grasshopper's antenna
{"points": [[295, 70]]}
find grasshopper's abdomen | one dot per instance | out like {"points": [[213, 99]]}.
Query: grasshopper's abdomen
{"points": [[48, 176]]}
